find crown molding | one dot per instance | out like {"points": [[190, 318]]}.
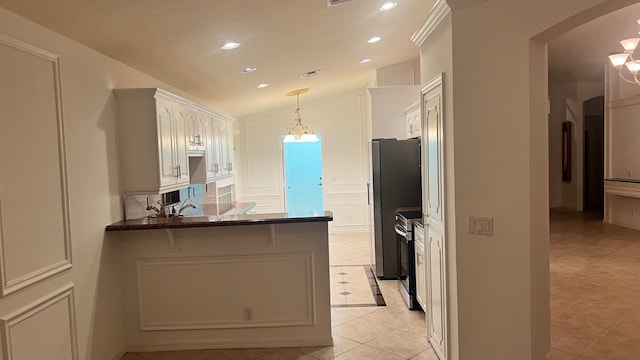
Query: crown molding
{"points": [[435, 16], [457, 4]]}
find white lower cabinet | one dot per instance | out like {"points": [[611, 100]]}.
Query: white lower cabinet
{"points": [[421, 285]]}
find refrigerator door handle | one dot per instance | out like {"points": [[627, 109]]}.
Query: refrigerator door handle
{"points": [[368, 200]]}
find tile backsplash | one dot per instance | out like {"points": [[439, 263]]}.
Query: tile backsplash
{"points": [[198, 194]]}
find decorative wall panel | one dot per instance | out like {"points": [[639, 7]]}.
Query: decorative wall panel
{"points": [[344, 142], [43, 330], [32, 168], [190, 293], [259, 146]]}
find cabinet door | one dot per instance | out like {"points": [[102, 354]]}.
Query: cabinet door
{"points": [[421, 286], [222, 147], [190, 120], [230, 148], [210, 151], [436, 327], [180, 149], [168, 168], [199, 135]]}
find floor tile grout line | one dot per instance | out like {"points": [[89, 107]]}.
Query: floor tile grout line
{"points": [[606, 331]]}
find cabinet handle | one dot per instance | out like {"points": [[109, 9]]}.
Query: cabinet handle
{"points": [[177, 171], [230, 166]]}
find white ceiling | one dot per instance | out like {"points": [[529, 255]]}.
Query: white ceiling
{"points": [[178, 42], [582, 52]]}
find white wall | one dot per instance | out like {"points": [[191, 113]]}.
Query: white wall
{"points": [[88, 104], [404, 73], [501, 169], [388, 119], [341, 120]]}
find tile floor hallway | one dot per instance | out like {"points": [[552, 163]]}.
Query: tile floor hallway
{"points": [[595, 289]]}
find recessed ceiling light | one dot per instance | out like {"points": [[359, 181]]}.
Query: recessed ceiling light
{"points": [[388, 5], [374, 39], [230, 45], [248, 70], [262, 86], [364, 61]]}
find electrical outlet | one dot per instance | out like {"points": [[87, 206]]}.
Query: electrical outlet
{"points": [[248, 314]]}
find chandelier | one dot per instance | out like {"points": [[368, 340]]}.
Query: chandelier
{"points": [[631, 69], [299, 132]]}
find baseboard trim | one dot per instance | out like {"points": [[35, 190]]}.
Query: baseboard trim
{"points": [[232, 344]]}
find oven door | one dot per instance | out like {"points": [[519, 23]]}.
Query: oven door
{"points": [[406, 266]]}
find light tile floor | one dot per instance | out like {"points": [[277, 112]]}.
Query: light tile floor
{"points": [[595, 289], [364, 332]]}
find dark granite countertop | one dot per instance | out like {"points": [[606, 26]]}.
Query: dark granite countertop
{"points": [[149, 223], [635, 181]]}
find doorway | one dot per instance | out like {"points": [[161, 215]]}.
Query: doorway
{"points": [[303, 176], [593, 195]]}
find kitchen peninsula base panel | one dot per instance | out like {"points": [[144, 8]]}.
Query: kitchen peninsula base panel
{"points": [[227, 287]]}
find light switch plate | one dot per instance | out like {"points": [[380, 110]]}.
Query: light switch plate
{"points": [[481, 225]]}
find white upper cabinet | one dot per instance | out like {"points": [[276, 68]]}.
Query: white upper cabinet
{"points": [[414, 125], [211, 152], [195, 130], [230, 148], [152, 141]]}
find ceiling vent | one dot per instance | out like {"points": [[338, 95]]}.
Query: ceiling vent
{"points": [[331, 3], [310, 74]]}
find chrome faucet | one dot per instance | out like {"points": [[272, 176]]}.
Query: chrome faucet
{"points": [[151, 207], [186, 206]]}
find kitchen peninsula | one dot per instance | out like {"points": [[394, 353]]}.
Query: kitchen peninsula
{"points": [[225, 281]]}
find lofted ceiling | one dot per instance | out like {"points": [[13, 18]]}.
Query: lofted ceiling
{"points": [[582, 53], [178, 42]]}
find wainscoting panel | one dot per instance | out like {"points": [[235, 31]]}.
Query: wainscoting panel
{"points": [[33, 177], [43, 330], [266, 204], [350, 211], [189, 293]]}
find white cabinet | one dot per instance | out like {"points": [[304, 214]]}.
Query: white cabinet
{"points": [[413, 120], [230, 148], [421, 284], [166, 142], [211, 153], [173, 145], [225, 146], [152, 141], [195, 130]]}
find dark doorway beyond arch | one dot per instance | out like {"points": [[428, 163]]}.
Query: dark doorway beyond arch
{"points": [[593, 110]]}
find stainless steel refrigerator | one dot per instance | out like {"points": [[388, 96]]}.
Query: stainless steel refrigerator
{"points": [[394, 182]]}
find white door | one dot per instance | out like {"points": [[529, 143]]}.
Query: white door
{"points": [[434, 219]]}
